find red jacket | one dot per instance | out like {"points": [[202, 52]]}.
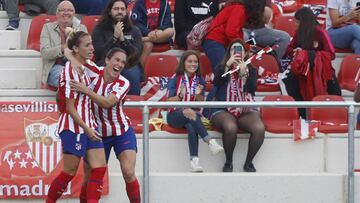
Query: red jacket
{"points": [[227, 25], [312, 83]]}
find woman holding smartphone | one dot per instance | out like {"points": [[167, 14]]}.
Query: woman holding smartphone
{"points": [[342, 24], [239, 86]]}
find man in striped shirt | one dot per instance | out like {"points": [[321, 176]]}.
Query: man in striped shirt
{"points": [[107, 91]]}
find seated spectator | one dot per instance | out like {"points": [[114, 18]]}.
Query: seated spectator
{"points": [[237, 87], [226, 27], [188, 85], [310, 44], [12, 9], [188, 13], [260, 15], [342, 24], [153, 18], [115, 29], [52, 43]]}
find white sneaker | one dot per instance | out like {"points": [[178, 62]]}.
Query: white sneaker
{"points": [[215, 147], [195, 166]]}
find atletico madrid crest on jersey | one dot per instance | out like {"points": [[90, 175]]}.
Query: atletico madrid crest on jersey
{"points": [[44, 142]]}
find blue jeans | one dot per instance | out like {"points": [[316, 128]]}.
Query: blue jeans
{"points": [[215, 52], [54, 74], [176, 119], [89, 7], [346, 37], [134, 75]]}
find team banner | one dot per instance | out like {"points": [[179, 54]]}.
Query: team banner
{"points": [[30, 151]]}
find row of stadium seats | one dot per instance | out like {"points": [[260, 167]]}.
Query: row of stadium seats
{"points": [[277, 120]]}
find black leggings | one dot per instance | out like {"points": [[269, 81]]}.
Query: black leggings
{"points": [[229, 125]]}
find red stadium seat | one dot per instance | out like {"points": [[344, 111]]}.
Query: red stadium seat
{"points": [[279, 120], [90, 22], [269, 64], [348, 70], [136, 114], [315, 2], [206, 71], [285, 23], [37, 23], [343, 50], [160, 65], [161, 47], [332, 120], [168, 128]]}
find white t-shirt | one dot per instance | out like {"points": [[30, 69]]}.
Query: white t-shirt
{"points": [[343, 6]]}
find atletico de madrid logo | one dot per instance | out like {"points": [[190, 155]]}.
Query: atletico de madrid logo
{"points": [[44, 142]]}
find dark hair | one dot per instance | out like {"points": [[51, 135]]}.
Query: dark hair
{"points": [[74, 37], [106, 20], [181, 67], [306, 30], [228, 54], [255, 13], [113, 51]]}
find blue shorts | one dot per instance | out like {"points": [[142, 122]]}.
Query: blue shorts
{"points": [[77, 144], [126, 141]]}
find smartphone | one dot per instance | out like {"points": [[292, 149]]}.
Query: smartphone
{"points": [[357, 5], [238, 49]]}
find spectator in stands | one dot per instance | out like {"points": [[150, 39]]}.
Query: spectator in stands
{"points": [[77, 125], [342, 24], [226, 26], [116, 30], [153, 18], [259, 15], [52, 43], [188, 13], [239, 86], [188, 85], [32, 7], [114, 125], [311, 40]]}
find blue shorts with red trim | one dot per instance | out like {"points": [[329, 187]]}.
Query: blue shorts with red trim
{"points": [[77, 144], [126, 141]]}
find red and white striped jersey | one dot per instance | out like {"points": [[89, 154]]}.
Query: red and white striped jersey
{"points": [[111, 121], [82, 102]]}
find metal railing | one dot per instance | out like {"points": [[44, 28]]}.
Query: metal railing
{"points": [[146, 105]]}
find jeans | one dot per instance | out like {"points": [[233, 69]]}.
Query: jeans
{"points": [[269, 37], [89, 7], [346, 37], [54, 74], [134, 75], [176, 119], [215, 52], [11, 7]]}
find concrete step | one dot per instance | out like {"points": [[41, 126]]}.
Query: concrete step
{"points": [[20, 69], [10, 39]]}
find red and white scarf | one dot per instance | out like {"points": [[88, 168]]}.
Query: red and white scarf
{"points": [[235, 93], [189, 84]]}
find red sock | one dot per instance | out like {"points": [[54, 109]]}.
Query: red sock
{"points": [[133, 191], [83, 193], [58, 186], [94, 186]]}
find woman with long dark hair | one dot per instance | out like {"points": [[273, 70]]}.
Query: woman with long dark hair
{"points": [[310, 44], [239, 86], [188, 85]]}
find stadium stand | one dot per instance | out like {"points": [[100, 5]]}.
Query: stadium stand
{"points": [[90, 22], [160, 65], [348, 70], [285, 23], [33, 41], [270, 66]]}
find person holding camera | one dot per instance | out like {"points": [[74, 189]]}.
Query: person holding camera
{"points": [[342, 24], [237, 87]]}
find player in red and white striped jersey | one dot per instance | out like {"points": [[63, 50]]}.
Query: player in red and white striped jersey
{"points": [[107, 91], [77, 125]]}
